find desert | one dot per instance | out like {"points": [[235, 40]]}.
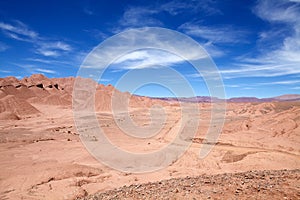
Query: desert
{"points": [[257, 154], [160, 99]]}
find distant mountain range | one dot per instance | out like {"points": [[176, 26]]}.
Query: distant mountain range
{"points": [[199, 99], [40, 89]]}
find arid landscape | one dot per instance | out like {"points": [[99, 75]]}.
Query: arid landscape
{"points": [[257, 155]]}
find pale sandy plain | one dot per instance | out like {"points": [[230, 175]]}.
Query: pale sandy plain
{"points": [[42, 156]]}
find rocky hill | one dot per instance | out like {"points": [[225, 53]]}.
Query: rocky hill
{"points": [[18, 97]]}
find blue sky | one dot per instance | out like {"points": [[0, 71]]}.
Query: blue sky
{"points": [[254, 44]]}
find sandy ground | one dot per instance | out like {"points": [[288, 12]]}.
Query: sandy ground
{"points": [[42, 157]]}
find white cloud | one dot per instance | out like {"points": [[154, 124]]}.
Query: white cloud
{"points": [[175, 7], [44, 46], [287, 82], [49, 61], [5, 71], [259, 84], [143, 16], [232, 86], [206, 7], [221, 34], [139, 16], [277, 10], [47, 52], [260, 70], [59, 45], [213, 37], [282, 11], [280, 50], [246, 70], [19, 31], [52, 48], [55, 48], [213, 50], [47, 71], [145, 52], [147, 59], [33, 68]]}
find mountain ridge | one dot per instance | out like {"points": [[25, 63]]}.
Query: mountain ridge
{"points": [[66, 83]]}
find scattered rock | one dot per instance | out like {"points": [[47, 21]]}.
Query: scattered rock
{"points": [[204, 187]]}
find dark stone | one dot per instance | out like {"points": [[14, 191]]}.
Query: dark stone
{"points": [[40, 85]]}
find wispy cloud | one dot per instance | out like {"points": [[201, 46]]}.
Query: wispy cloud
{"points": [[232, 85], [5, 71], [213, 50], [3, 47], [279, 47], [47, 71], [145, 56], [259, 84], [97, 34], [49, 61], [43, 46], [217, 35], [18, 31], [150, 15], [93, 76], [88, 11], [291, 84], [207, 7], [288, 82], [288, 14], [277, 10], [134, 17], [147, 59], [238, 70], [142, 16], [34, 69], [55, 48], [214, 37]]}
